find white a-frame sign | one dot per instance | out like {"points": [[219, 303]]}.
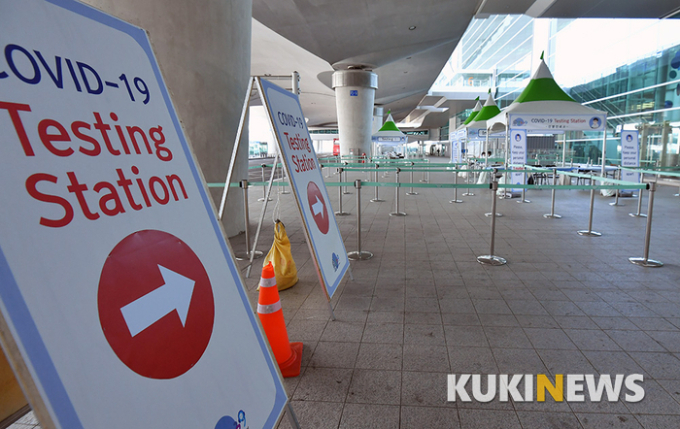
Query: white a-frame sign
{"points": [[302, 167]]}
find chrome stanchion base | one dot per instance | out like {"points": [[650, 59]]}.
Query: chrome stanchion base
{"points": [[346, 193], [616, 204], [676, 195], [455, 201], [425, 181], [341, 213], [645, 262], [377, 200], [523, 201], [359, 256], [284, 192], [398, 214], [411, 193], [637, 215], [262, 199], [243, 256], [491, 260], [468, 194], [552, 216], [489, 214], [589, 233]]}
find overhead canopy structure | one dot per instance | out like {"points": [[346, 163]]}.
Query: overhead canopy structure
{"points": [[489, 110], [389, 134], [543, 107], [474, 113]]}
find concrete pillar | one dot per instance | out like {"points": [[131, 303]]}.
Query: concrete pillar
{"points": [[354, 96], [203, 49], [378, 118]]}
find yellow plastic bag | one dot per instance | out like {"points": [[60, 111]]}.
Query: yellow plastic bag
{"points": [[282, 259]]}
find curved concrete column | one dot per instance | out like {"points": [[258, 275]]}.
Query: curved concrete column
{"points": [[203, 49], [354, 96]]}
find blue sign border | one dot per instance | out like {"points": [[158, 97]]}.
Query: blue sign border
{"points": [[18, 310]]}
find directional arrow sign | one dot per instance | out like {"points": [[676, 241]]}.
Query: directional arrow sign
{"points": [[318, 207], [174, 295], [156, 304]]}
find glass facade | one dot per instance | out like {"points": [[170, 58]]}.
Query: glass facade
{"points": [[628, 68]]}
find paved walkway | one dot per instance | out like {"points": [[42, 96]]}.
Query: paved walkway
{"points": [[423, 308]]}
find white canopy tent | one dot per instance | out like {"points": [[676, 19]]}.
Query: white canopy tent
{"points": [[544, 108], [388, 135]]}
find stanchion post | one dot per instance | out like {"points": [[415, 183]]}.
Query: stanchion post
{"points": [[524, 190], [645, 261], [359, 255], [396, 197], [616, 198], [639, 208], [344, 179], [590, 232], [552, 214], [492, 259], [246, 215], [264, 186], [376, 198], [340, 212], [455, 189], [494, 179], [411, 192], [468, 193]]}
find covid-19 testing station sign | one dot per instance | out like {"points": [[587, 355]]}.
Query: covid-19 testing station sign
{"points": [[298, 154], [120, 303]]}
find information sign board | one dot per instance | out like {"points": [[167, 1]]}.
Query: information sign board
{"points": [[518, 155], [457, 137], [120, 302], [630, 155], [557, 122], [302, 166]]}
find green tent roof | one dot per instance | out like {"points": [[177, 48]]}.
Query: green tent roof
{"points": [[474, 113], [488, 111], [543, 87], [389, 124]]}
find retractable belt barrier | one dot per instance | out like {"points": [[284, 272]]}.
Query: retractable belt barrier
{"points": [[490, 259]]}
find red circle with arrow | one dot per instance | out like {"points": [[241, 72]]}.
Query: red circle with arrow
{"points": [[317, 205], [156, 304]]}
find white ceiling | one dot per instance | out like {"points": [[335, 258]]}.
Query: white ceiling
{"points": [[315, 37]]}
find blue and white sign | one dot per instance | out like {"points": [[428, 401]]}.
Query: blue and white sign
{"points": [[295, 145], [518, 154], [630, 155], [557, 122], [457, 137], [119, 296]]}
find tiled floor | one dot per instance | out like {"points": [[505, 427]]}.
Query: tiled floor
{"points": [[423, 307]]}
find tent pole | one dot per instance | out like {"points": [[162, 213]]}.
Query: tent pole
{"points": [[564, 150]]}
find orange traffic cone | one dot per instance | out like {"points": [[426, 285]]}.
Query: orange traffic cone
{"points": [[288, 355]]}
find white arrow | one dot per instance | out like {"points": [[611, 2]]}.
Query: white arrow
{"points": [[173, 295], [317, 207]]}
